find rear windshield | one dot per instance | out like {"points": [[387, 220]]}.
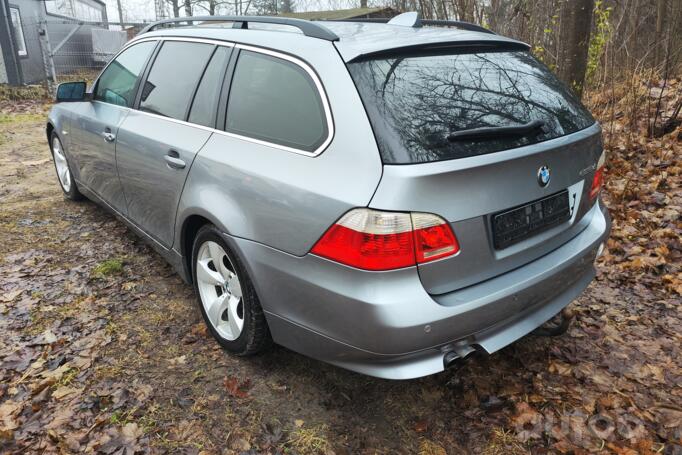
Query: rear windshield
{"points": [[416, 103]]}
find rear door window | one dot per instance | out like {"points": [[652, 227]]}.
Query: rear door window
{"points": [[274, 100], [416, 102], [117, 83], [205, 102], [173, 78]]}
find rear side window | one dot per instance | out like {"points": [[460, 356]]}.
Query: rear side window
{"points": [[205, 101], [274, 100], [416, 102], [117, 83], [173, 78]]}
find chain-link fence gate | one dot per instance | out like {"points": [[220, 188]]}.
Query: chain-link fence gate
{"points": [[58, 50]]}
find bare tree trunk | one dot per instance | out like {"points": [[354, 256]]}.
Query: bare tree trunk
{"points": [[188, 7], [444, 8], [576, 24], [175, 6], [363, 3], [660, 12], [465, 10], [632, 32], [492, 14]]}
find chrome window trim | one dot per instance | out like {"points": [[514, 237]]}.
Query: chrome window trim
{"points": [[300, 63]]}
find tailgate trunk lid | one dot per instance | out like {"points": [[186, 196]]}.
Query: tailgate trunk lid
{"points": [[489, 140], [469, 192]]}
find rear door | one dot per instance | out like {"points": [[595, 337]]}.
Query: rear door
{"points": [[157, 142], [513, 189], [95, 123]]}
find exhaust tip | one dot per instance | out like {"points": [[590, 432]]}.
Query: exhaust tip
{"points": [[456, 356], [450, 359]]}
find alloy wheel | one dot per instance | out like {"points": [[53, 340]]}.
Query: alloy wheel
{"points": [[61, 165], [220, 290]]}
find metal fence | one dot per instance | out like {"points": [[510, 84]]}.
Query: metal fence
{"points": [[53, 50]]}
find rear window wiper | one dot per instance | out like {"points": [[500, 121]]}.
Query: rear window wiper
{"points": [[496, 131]]}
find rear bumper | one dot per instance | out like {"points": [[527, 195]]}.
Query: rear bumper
{"points": [[384, 324]]}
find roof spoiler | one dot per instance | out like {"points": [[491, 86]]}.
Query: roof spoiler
{"points": [[469, 46], [308, 28]]}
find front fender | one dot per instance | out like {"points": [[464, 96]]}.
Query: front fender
{"points": [[59, 121]]}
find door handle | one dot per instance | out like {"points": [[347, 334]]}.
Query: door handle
{"points": [[173, 160], [108, 136]]}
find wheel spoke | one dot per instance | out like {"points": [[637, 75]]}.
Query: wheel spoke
{"points": [[236, 323], [63, 175], [205, 274], [216, 309], [234, 286], [217, 253]]}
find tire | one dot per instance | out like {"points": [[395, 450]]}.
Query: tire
{"points": [[217, 302], [61, 164]]}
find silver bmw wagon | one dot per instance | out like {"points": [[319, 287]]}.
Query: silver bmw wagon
{"points": [[385, 197]]}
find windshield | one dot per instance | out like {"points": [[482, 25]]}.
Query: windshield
{"points": [[415, 103]]}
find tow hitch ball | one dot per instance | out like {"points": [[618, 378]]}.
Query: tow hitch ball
{"points": [[556, 326]]}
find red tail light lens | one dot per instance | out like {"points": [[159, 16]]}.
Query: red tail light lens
{"points": [[598, 180], [433, 238], [374, 240]]}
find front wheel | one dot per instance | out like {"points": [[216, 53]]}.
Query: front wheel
{"points": [[61, 165], [226, 296]]}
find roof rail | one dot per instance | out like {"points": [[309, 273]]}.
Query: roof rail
{"points": [[308, 28], [439, 23]]}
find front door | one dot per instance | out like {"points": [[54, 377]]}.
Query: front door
{"points": [[155, 144], [96, 123]]}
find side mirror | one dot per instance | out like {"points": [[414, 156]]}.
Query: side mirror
{"points": [[71, 91]]}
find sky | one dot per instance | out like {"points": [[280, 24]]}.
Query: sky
{"points": [[143, 10]]}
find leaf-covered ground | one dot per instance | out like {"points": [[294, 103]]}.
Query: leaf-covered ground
{"points": [[103, 350]]}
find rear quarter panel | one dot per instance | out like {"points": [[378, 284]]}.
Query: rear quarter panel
{"points": [[279, 198]]}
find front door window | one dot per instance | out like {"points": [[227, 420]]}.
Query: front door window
{"points": [[117, 83]]}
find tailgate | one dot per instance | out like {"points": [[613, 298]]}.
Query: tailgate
{"points": [[471, 192], [489, 140]]}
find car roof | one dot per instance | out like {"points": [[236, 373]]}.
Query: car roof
{"points": [[355, 39]]}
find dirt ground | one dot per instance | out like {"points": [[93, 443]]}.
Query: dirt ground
{"points": [[103, 350]]}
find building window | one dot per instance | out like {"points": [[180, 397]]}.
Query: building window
{"points": [[18, 32], [79, 9]]}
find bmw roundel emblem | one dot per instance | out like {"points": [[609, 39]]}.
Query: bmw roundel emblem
{"points": [[544, 176]]}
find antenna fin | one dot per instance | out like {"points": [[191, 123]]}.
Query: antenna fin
{"points": [[410, 19]]}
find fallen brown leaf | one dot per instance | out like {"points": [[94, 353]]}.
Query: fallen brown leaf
{"points": [[8, 411], [236, 388]]}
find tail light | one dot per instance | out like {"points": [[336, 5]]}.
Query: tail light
{"points": [[598, 180], [433, 238], [374, 240]]}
